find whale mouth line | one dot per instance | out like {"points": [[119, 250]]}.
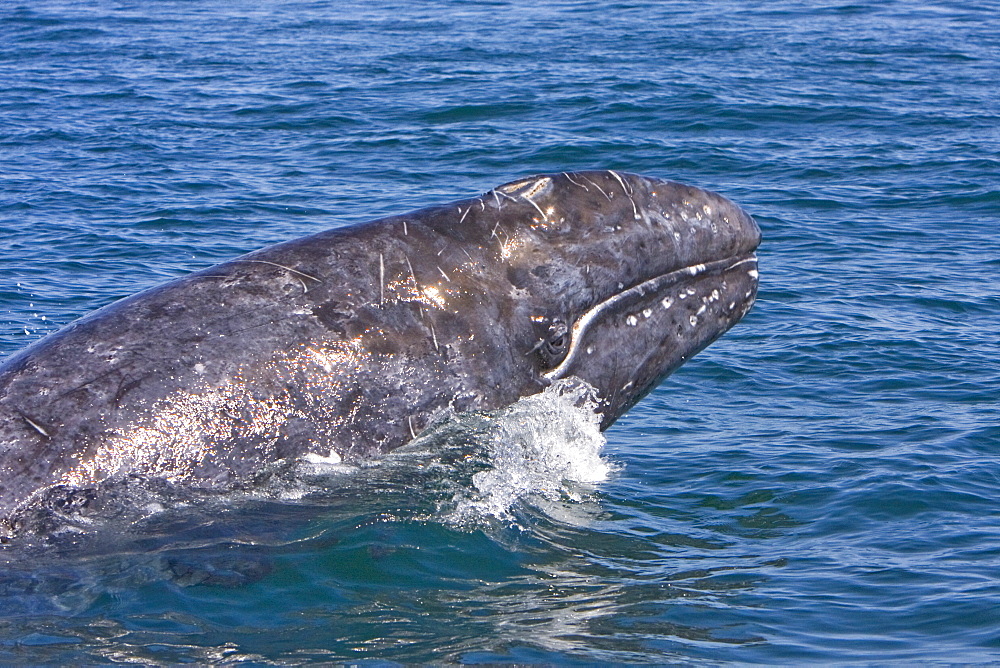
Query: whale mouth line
{"points": [[654, 284]]}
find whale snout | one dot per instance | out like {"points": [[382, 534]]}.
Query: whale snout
{"points": [[672, 269]]}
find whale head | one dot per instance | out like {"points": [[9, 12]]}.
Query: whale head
{"points": [[614, 278]]}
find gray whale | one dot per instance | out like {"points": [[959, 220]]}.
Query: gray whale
{"points": [[349, 342]]}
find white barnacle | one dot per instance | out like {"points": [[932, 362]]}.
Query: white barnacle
{"points": [[753, 273], [667, 302], [632, 321], [647, 312], [693, 320]]}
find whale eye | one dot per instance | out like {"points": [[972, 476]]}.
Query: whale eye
{"points": [[553, 349]]}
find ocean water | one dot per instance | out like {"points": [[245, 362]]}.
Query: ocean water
{"points": [[820, 485]]}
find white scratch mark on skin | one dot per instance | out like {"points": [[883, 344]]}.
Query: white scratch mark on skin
{"points": [[601, 190], [444, 274], [281, 266], [628, 193], [535, 348], [496, 196], [635, 209], [405, 233], [434, 338], [462, 219], [494, 233], [575, 182], [532, 202], [37, 427], [409, 420], [381, 280], [412, 274], [467, 253], [625, 188], [506, 196]]}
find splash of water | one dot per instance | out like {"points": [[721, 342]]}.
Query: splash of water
{"points": [[546, 446]]}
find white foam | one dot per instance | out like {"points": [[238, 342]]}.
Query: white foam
{"points": [[315, 464], [545, 446]]}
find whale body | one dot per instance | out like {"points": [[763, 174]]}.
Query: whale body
{"points": [[349, 342]]}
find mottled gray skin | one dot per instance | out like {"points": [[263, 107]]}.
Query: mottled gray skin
{"points": [[351, 341]]}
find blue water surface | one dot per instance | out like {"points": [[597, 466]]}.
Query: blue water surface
{"points": [[819, 485]]}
